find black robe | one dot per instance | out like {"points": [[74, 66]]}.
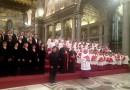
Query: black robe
{"points": [[33, 66], [16, 53], [72, 59], [41, 57], [64, 58], [4, 56], [25, 56]]}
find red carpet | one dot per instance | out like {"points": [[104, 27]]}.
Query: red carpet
{"points": [[7, 82]]}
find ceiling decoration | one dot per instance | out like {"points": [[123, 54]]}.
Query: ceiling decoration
{"points": [[18, 5]]}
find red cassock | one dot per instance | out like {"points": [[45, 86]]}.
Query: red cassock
{"points": [[100, 67], [119, 60], [125, 66], [110, 66], [93, 66], [73, 56]]}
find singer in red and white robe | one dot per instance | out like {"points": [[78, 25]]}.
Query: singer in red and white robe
{"points": [[118, 61], [93, 62], [85, 65], [101, 62], [111, 62], [125, 59], [106, 59]]}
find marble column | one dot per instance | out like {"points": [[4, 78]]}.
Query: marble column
{"points": [[53, 30], [88, 33], [78, 27], [100, 34], [62, 28], [73, 28], [106, 33], [125, 30], [46, 34], [43, 33]]}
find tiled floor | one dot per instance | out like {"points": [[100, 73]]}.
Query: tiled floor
{"points": [[109, 82]]}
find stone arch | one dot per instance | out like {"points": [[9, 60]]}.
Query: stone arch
{"points": [[94, 4]]}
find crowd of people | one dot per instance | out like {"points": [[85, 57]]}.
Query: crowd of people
{"points": [[24, 53], [91, 55], [28, 53]]}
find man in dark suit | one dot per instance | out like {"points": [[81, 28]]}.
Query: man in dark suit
{"points": [[53, 57]]}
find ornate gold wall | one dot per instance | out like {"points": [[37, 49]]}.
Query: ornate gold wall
{"points": [[15, 17], [53, 6]]}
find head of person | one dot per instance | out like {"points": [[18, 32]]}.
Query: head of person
{"points": [[16, 44], [72, 48], [10, 37], [85, 51], [42, 45], [54, 49], [57, 44], [33, 46], [25, 45], [4, 44], [64, 45], [22, 33], [35, 36]]}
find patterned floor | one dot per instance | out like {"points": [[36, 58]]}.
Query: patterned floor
{"points": [[109, 82]]}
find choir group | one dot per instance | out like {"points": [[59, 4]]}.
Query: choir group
{"points": [[24, 53], [28, 53], [91, 56]]}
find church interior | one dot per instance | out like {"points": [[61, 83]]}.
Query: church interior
{"points": [[98, 27]]}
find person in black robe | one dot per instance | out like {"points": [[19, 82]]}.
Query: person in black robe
{"points": [[30, 43], [4, 53], [20, 42], [35, 39], [25, 59], [64, 58], [33, 62], [53, 58], [24, 39], [10, 42], [1, 37], [41, 57], [38, 45], [72, 60], [16, 54]]}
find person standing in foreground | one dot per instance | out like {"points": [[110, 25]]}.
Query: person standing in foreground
{"points": [[53, 57], [85, 64]]}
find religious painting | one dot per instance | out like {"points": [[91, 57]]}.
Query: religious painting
{"points": [[68, 29], [11, 20], [58, 30]]}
